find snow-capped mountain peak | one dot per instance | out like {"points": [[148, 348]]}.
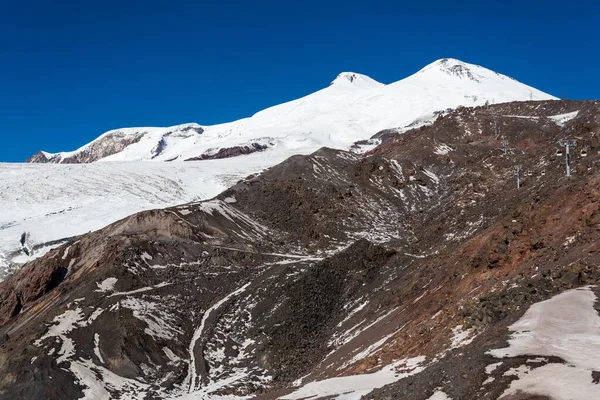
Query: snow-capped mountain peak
{"points": [[460, 69], [352, 79], [354, 107]]}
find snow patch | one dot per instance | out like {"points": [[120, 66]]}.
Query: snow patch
{"points": [[106, 285], [461, 337], [439, 395], [432, 176], [556, 381], [98, 379], [492, 367], [65, 323], [569, 240], [141, 290], [355, 386], [436, 314], [354, 311], [562, 119], [66, 253], [442, 149], [97, 347], [489, 379], [160, 323], [565, 326], [170, 355]]}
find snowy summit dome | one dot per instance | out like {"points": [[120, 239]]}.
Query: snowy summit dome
{"points": [[352, 79], [458, 69]]}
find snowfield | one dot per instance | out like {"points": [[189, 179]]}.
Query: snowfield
{"points": [[58, 201], [565, 326], [354, 387], [354, 107], [53, 202]]}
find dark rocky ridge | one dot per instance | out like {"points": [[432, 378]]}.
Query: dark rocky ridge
{"points": [[440, 201], [231, 152]]}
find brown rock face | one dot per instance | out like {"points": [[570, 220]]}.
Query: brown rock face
{"points": [[324, 265], [38, 157], [39, 278]]}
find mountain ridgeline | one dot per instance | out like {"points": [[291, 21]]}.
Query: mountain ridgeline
{"points": [[351, 108]]}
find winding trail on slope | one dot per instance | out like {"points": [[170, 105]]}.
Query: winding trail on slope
{"points": [[191, 376], [291, 256]]}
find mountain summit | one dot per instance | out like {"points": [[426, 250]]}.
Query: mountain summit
{"points": [[355, 80], [336, 116], [460, 69]]}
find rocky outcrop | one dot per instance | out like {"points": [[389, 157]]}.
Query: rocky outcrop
{"points": [[109, 144], [113, 142], [39, 157], [230, 152]]}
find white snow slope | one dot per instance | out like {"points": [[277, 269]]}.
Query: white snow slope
{"points": [[57, 201], [565, 326], [353, 107]]}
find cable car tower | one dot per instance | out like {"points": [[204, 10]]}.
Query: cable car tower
{"points": [[504, 144], [567, 144]]}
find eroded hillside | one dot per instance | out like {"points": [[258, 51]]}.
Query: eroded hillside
{"points": [[411, 260]]}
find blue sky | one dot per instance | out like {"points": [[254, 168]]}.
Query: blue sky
{"points": [[70, 70]]}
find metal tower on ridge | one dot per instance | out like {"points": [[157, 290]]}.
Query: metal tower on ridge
{"points": [[567, 144]]}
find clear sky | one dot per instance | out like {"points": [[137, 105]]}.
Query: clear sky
{"points": [[71, 70]]}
